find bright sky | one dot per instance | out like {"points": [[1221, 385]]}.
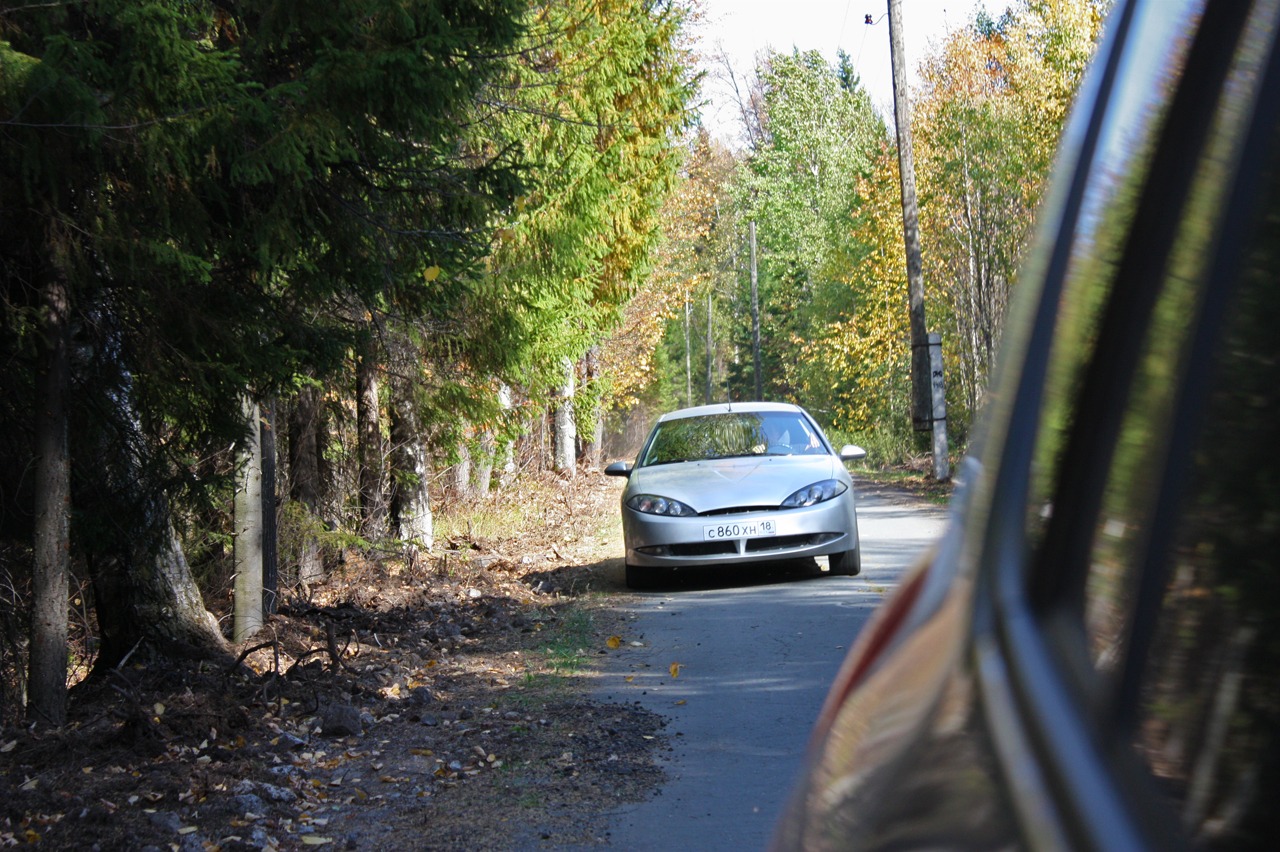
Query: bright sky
{"points": [[746, 27]]}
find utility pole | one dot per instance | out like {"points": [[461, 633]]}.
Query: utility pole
{"points": [[755, 316], [920, 403], [928, 406]]}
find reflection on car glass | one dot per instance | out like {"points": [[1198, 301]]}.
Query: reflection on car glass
{"points": [[1211, 706], [703, 438]]}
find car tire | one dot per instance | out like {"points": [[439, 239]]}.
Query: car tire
{"points": [[847, 564]]}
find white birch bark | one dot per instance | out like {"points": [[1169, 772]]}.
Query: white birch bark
{"points": [[247, 618], [565, 450]]}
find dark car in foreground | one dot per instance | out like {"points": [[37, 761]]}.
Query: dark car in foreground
{"points": [[1090, 657], [737, 483]]}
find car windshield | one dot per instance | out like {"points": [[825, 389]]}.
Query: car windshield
{"points": [[717, 436]]}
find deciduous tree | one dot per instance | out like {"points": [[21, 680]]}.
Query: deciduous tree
{"points": [[994, 100]]}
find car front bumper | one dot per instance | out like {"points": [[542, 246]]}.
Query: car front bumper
{"points": [[658, 541]]}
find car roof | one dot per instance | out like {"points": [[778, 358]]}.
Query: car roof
{"points": [[730, 408]]}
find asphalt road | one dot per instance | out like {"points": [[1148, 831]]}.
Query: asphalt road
{"points": [[755, 661]]}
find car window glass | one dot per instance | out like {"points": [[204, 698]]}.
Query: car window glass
{"points": [[806, 438], [1136, 461], [1210, 713], [1208, 721], [1148, 72], [709, 437]]}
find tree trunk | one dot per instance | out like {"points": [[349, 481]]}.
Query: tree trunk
{"points": [[147, 597], [593, 440], [305, 480], [462, 470], [247, 618], [565, 450], [508, 454], [755, 319], [710, 349], [373, 490], [144, 592], [484, 467], [47, 682], [411, 518], [270, 533], [688, 354]]}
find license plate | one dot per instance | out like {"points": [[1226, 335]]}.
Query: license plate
{"points": [[739, 529]]}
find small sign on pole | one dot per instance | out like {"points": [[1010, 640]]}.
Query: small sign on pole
{"points": [[941, 461]]}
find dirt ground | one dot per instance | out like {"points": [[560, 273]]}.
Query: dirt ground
{"points": [[436, 706]]}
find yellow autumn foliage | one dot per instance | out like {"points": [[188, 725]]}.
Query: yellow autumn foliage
{"points": [[855, 367]]}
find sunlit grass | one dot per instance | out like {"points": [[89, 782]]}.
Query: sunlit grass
{"points": [[500, 516], [560, 658], [566, 651], [909, 479], [486, 519]]}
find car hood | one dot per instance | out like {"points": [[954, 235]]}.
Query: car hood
{"points": [[708, 486]]}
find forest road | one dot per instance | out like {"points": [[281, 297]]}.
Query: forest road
{"points": [[740, 669]]}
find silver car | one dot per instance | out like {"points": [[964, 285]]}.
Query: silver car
{"points": [[737, 483]]}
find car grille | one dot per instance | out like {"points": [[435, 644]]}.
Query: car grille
{"points": [[788, 542], [703, 548], [737, 510]]}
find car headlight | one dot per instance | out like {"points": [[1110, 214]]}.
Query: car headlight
{"points": [[818, 492], [651, 504]]}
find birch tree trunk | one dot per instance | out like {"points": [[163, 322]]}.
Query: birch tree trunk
{"points": [[145, 594], [462, 470], [509, 448], [688, 355], [484, 467], [710, 349], [247, 616], [373, 490], [411, 518], [47, 679], [755, 318], [565, 452], [148, 597]]}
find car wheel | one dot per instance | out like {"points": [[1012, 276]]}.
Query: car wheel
{"points": [[847, 564]]}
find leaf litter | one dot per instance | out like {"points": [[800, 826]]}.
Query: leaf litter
{"points": [[398, 707]]}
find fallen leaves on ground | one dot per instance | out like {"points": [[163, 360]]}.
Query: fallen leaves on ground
{"points": [[443, 725]]}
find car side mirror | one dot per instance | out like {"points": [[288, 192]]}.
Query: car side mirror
{"points": [[849, 452], [620, 468]]}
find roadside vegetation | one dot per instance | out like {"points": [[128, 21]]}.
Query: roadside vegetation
{"points": [[443, 705]]}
